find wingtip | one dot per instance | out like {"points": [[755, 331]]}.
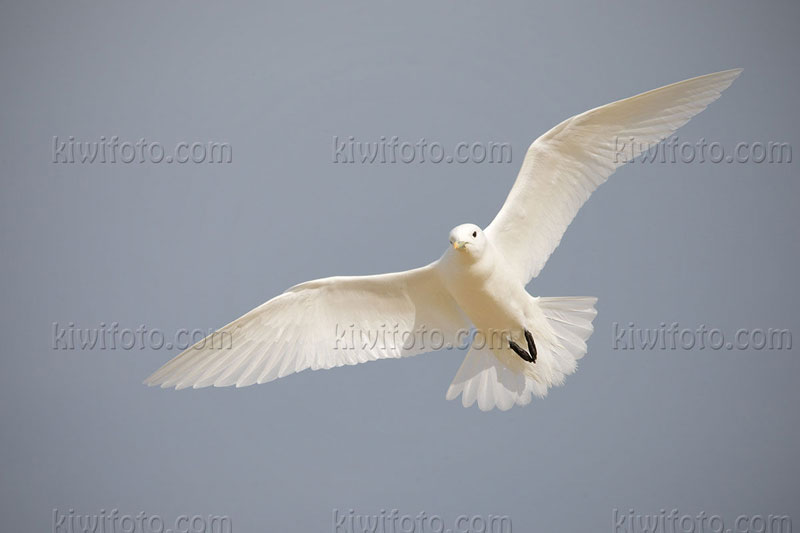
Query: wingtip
{"points": [[724, 76], [727, 72], [730, 75], [735, 72]]}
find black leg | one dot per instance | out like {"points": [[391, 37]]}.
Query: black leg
{"points": [[520, 352], [531, 345]]}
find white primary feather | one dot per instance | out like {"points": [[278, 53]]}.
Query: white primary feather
{"points": [[566, 164], [302, 328]]}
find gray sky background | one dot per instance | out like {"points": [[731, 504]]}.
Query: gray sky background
{"points": [[196, 245]]}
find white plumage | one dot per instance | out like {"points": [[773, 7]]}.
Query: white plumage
{"points": [[530, 343]]}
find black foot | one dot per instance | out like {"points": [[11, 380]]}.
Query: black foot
{"points": [[520, 352], [531, 345], [530, 355]]}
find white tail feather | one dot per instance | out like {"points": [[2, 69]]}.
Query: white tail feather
{"points": [[483, 378]]}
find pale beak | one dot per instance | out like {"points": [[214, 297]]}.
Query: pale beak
{"points": [[458, 245]]}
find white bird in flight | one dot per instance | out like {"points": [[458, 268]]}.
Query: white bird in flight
{"points": [[478, 285]]}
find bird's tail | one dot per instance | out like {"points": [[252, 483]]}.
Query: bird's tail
{"points": [[482, 377], [571, 321]]}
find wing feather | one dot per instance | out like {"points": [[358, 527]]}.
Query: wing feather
{"points": [[564, 166], [319, 324]]}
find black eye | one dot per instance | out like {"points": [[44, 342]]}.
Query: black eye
{"points": [[474, 234]]}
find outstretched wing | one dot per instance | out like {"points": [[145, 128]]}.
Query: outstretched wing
{"points": [[322, 324], [566, 164]]}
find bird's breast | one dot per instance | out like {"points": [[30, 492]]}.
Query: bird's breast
{"points": [[488, 297]]}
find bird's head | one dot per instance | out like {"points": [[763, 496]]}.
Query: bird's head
{"points": [[468, 239]]}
